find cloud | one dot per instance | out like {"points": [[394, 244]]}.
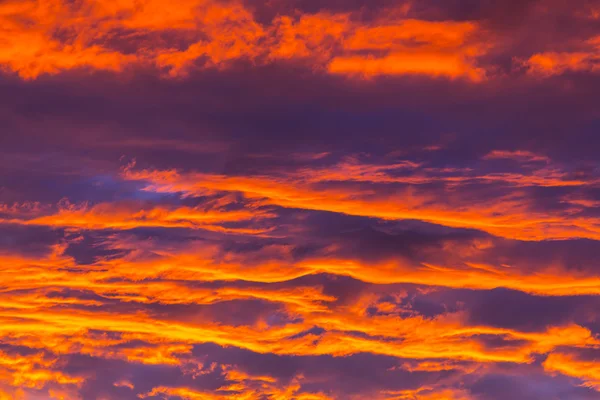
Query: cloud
{"points": [[63, 37], [340, 190], [299, 199]]}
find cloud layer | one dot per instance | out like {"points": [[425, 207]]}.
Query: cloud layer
{"points": [[299, 200]]}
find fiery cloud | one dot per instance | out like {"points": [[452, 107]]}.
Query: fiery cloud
{"points": [[46, 37], [299, 200]]}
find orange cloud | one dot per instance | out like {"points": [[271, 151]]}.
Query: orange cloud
{"points": [[33, 371], [428, 393], [311, 36], [546, 64], [586, 370], [555, 63], [506, 217], [31, 46], [412, 47], [31, 317], [50, 36], [133, 215], [518, 155], [400, 64], [118, 307], [241, 388], [446, 336]]}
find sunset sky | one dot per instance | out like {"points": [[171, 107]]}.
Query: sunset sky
{"points": [[300, 199]]}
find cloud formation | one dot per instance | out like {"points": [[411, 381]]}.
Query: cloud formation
{"points": [[298, 199]]}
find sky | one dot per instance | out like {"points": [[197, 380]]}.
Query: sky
{"points": [[299, 200]]}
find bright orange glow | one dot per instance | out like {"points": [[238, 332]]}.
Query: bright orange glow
{"points": [[129, 215], [397, 64], [441, 50], [229, 33], [588, 371], [547, 64], [506, 217]]}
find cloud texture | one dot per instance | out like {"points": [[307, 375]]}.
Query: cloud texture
{"points": [[299, 199]]}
